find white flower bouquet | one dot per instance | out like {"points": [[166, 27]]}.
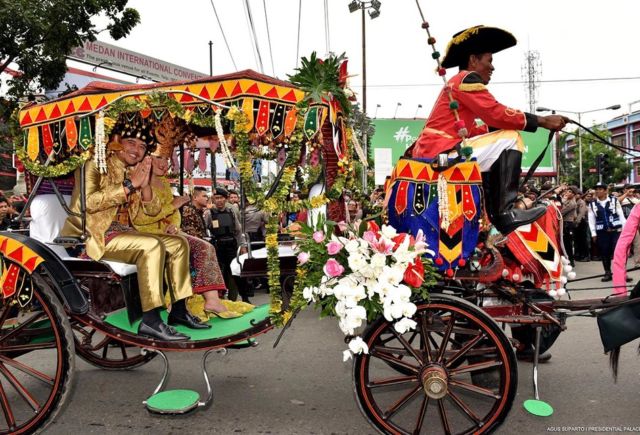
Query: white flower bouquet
{"points": [[362, 274]]}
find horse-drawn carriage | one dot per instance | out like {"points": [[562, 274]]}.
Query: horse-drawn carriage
{"points": [[456, 369]]}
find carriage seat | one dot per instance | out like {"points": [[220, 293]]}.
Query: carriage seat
{"points": [[47, 219], [259, 259]]}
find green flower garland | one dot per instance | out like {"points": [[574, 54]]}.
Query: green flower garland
{"points": [[155, 100], [273, 270], [52, 171], [273, 205]]}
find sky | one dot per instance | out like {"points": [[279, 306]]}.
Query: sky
{"points": [[575, 40]]}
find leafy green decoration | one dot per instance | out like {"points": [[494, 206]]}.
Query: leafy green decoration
{"points": [[320, 78]]}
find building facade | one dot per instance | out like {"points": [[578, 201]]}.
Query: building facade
{"points": [[625, 132]]}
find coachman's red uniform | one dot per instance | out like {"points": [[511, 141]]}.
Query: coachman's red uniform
{"points": [[475, 103]]}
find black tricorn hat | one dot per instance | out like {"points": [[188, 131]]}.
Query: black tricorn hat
{"points": [[476, 40]]}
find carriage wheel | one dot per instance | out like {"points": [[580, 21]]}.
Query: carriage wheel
{"points": [[36, 360], [106, 352], [426, 379]]}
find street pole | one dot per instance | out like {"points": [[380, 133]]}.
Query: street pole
{"points": [[580, 150], [210, 58], [364, 100], [213, 154]]}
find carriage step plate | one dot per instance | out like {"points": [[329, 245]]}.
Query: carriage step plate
{"points": [[538, 407], [173, 402]]}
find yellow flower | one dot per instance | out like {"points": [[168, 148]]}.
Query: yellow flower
{"points": [[272, 240], [233, 113], [271, 205], [187, 115], [318, 201], [109, 122], [286, 316]]}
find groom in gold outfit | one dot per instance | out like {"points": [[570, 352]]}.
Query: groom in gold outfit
{"points": [[110, 209]]}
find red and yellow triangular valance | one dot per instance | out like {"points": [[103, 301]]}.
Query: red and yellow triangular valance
{"points": [[219, 91], [19, 253]]}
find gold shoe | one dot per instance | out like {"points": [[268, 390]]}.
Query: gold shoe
{"points": [[237, 306], [223, 314]]}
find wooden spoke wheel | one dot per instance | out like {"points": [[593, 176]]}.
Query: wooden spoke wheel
{"points": [[36, 360], [105, 352], [456, 373]]}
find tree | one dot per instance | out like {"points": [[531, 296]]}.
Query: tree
{"points": [[37, 35], [591, 147]]}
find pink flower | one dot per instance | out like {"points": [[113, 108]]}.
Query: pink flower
{"points": [[370, 236], [303, 257], [342, 226], [318, 236], [334, 247], [383, 246], [333, 268]]}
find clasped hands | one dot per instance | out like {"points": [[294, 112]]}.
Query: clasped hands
{"points": [[141, 174]]}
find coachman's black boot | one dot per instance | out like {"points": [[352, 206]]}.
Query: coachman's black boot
{"points": [[500, 186]]}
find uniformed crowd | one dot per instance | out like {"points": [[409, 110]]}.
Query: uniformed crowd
{"points": [[592, 220]]}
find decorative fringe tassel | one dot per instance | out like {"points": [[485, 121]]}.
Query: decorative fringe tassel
{"points": [[614, 359], [443, 203], [358, 148], [33, 143], [100, 152], [224, 147]]}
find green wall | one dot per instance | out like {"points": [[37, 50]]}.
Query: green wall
{"points": [[394, 136]]}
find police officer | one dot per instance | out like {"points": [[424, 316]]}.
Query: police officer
{"points": [[226, 236], [606, 219]]}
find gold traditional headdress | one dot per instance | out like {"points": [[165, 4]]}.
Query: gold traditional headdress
{"points": [[170, 132]]}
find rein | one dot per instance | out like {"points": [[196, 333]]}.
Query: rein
{"points": [[604, 141]]}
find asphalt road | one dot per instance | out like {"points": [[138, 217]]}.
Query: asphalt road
{"points": [[303, 387]]}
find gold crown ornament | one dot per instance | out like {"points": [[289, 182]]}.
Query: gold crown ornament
{"points": [[170, 132]]}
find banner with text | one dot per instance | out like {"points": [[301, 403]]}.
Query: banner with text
{"points": [[130, 62]]}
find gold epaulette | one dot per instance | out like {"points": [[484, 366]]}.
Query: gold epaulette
{"points": [[472, 87]]}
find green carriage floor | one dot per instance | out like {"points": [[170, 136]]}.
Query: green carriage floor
{"points": [[219, 327]]}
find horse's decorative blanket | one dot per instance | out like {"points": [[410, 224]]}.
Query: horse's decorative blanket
{"points": [[446, 205], [537, 247]]}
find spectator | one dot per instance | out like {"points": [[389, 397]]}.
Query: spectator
{"points": [[593, 248], [353, 211], [628, 200], [289, 218], [532, 194], [234, 198], [193, 222], [5, 215], [606, 219], [374, 208], [226, 236], [569, 219], [581, 235], [254, 223]]}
